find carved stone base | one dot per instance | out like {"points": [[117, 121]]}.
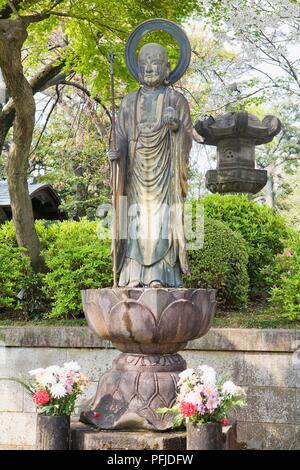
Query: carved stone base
{"points": [[236, 180], [87, 438], [130, 392], [149, 326]]}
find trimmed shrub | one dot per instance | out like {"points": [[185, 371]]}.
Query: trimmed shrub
{"points": [[77, 259], [221, 264], [14, 268], [263, 231], [285, 292]]}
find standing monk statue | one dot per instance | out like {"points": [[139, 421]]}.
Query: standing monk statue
{"points": [[153, 141]]}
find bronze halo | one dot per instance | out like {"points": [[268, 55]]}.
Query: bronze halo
{"points": [[161, 25]]}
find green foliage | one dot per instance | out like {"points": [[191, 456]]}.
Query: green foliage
{"points": [[77, 259], [263, 231], [77, 165], [88, 30], [285, 293], [220, 264], [14, 267]]}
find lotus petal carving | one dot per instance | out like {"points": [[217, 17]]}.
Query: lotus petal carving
{"points": [[149, 320]]}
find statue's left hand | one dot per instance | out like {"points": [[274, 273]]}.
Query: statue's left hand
{"points": [[170, 119]]}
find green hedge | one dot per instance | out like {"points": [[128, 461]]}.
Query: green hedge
{"points": [[78, 259], [285, 276], [14, 268], [221, 264], [264, 232]]}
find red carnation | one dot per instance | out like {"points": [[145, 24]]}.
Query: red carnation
{"points": [[226, 422], [187, 409], [41, 397]]}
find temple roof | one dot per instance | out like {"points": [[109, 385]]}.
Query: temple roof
{"points": [[45, 201]]}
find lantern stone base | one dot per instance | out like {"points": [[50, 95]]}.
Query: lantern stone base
{"points": [[236, 180]]}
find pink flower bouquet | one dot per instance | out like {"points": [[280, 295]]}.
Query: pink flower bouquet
{"points": [[55, 389], [201, 398]]}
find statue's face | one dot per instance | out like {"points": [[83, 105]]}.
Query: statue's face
{"points": [[153, 65]]}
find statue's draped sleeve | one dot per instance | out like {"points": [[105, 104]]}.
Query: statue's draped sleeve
{"points": [[181, 142]]}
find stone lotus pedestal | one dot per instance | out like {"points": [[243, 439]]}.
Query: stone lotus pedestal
{"points": [[148, 326]]}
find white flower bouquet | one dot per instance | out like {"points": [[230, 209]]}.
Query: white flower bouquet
{"points": [[201, 398], [55, 389]]}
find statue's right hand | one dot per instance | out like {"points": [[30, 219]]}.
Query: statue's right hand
{"points": [[114, 154]]}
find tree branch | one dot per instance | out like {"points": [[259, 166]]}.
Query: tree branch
{"points": [[87, 92], [6, 11], [38, 82], [45, 123], [13, 8]]}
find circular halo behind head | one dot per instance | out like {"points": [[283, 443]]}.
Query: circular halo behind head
{"points": [[162, 25]]}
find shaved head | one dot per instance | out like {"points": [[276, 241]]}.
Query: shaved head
{"points": [[153, 65], [153, 49]]}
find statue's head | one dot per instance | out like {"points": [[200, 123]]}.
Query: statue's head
{"points": [[154, 68]]}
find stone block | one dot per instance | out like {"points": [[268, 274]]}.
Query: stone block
{"points": [[251, 434], [21, 360], [276, 369], [267, 436], [17, 428], [51, 337], [86, 438], [14, 447], [281, 437], [28, 404], [222, 339], [269, 405], [11, 394], [298, 406], [230, 364], [93, 362], [243, 339]]}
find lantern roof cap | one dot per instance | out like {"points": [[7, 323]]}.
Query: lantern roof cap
{"points": [[238, 124]]}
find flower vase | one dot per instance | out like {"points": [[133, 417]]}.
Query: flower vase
{"points": [[53, 432], [205, 436]]}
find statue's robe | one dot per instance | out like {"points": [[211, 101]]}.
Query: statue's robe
{"points": [[152, 174]]}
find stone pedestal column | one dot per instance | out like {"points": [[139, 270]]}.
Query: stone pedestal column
{"points": [[149, 326]]}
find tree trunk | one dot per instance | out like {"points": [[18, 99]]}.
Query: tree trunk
{"points": [[270, 191], [5, 124], [81, 193], [12, 36]]}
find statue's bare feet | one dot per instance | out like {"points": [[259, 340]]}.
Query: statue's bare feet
{"points": [[155, 284], [135, 284]]}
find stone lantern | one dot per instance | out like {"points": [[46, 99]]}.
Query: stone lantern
{"points": [[235, 134]]}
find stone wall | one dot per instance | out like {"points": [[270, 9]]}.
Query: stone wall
{"points": [[265, 362]]}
